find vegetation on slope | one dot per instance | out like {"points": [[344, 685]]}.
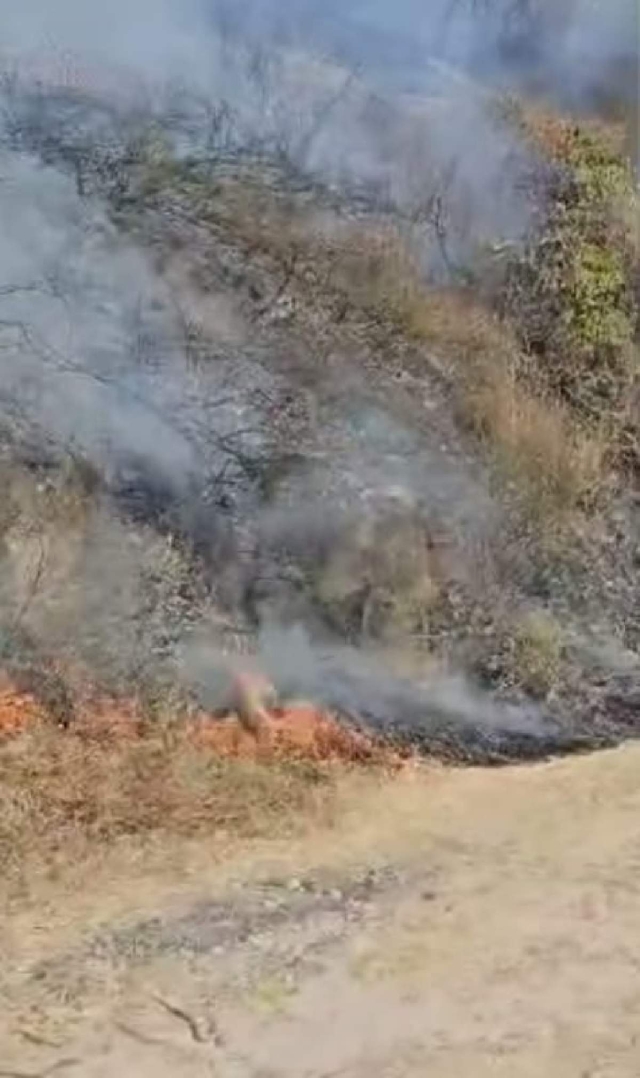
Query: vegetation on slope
{"points": [[536, 345]]}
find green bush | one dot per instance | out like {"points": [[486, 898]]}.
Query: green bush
{"points": [[571, 292]]}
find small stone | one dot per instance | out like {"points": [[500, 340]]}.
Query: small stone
{"points": [[294, 885]]}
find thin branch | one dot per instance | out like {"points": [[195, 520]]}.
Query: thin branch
{"points": [[32, 591], [18, 289], [38, 1039], [135, 1034], [184, 1016], [322, 116], [289, 274]]}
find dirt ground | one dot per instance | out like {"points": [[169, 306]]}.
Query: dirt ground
{"points": [[449, 923]]}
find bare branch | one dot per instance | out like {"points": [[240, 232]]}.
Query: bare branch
{"points": [[179, 1012]]}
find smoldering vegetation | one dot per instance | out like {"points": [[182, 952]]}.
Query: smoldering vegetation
{"points": [[182, 480]]}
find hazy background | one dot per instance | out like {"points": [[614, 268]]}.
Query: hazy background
{"points": [[573, 45]]}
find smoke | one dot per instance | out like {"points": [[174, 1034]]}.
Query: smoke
{"points": [[571, 44], [92, 367], [443, 711], [153, 38], [391, 96], [393, 99], [91, 344], [569, 48]]}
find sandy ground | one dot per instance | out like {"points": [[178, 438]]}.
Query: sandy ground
{"points": [[481, 923]]}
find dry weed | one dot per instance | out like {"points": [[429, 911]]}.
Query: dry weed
{"points": [[381, 581], [556, 465], [366, 273], [538, 649], [62, 789]]}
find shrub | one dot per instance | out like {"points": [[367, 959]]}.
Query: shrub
{"points": [[524, 369], [380, 580], [555, 465], [571, 293], [537, 653]]}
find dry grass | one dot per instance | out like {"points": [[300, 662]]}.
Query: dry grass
{"points": [[117, 774], [365, 276], [457, 325], [380, 581], [538, 649], [63, 790], [558, 465], [555, 464]]}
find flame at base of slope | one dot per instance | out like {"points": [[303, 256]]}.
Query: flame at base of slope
{"points": [[18, 710], [297, 731]]}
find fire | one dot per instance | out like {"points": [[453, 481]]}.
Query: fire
{"points": [[273, 732], [18, 710], [299, 731]]}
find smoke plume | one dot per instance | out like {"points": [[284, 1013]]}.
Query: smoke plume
{"points": [[387, 102]]}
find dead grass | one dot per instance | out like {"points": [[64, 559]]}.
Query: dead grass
{"points": [[457, 325], [364, 276], [115, 773], [61, 790], [556, 465], [538, 649]]}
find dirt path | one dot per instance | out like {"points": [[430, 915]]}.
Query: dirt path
{"points": [[450, 923]]}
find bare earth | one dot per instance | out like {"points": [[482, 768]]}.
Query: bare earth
{"points": [[449, 923]]}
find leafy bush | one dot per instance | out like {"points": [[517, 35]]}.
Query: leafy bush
{"points": [[570, 293]]}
